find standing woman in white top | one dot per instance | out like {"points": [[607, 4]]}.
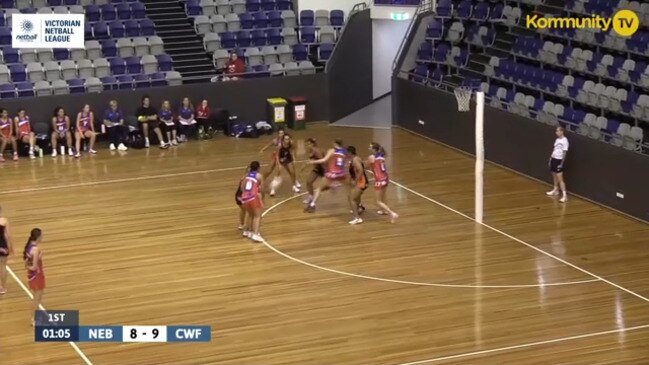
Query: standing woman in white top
{"points": [[557, 159]]}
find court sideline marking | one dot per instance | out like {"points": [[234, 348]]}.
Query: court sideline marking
{"points": [[29, 294], [525, 345], [360, 276], [126, 179]]}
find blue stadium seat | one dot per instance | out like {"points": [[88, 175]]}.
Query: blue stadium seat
{"points": [[158, 79], [244, 39], [164, 62], [259, 38], [147, 27], [17, 72], [307, 35], [246, 21], [260, 19], [138, 10], [7, 91], [125, 82], [307, 18], [117, 66], [275, 19], [300, 52], [110, 83], [253, 5], [77, 86], [274, 37], [133, 65], [109, 47], [268, 5], [24, 88], [124, 11], [142, 81], [337, 18]]}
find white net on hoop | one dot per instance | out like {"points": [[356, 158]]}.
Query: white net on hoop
{"points": [[463, 96]]}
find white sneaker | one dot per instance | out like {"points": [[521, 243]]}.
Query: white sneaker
{"points": [[299, 186], [112, 147], [380, 212], [308, 200], [174, 142], [32, 155], [54, 154], [240, 227], [70, 152], [563, 199], [146, 143], [246, 234], [553, 192], [257, 238], [92, 151], [77, 155], [296, 189], [272, 192], [393, 217], [356, 221], [121, 147]]}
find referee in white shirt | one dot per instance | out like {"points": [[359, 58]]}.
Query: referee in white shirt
{"points": [[557, 159]]}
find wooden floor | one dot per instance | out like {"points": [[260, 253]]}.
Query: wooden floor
{"points": [[149, 238]]}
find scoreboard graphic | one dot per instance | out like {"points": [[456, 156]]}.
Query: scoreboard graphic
{"points": [[63, 326]]}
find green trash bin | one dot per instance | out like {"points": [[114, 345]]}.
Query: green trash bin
{"points": [[277, 111], [297, 113]]}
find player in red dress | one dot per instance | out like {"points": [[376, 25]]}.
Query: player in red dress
{"points": [[381, 179], [7, 134], [61, 131], [336, 160], [85, 130], [6, 249], [251, 200], [24, 133], [33, 257]]}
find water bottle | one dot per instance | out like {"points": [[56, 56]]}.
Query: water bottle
{"points": [[62, 150], [40, 152]]}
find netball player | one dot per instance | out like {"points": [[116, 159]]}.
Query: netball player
{"points": [[381, 179], [285, 157], [359, 184], [276, 143], [6, 249], [85, 130], [24, 133], [557, 158], [335, 158], [318, 171], [61, 131], [33, 257], [251, 199], [7, 134]]}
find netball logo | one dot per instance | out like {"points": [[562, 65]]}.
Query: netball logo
{"points": [[27, 26], [27, 29]]}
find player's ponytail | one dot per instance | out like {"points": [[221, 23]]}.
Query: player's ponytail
{"points": [[377, 148], [352, 150], [33, 236]]}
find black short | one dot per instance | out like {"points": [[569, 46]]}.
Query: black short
{"points": [[237, 198], [286, 161], [319, 171], [4, 251], [556, 165]]}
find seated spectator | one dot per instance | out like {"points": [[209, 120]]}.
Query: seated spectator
{"points": [[147, 114], [114, 126], [7, 134], [186, 120], [85, 129], [203, 115], [235, 68], [24, 132], [166, 116], [61, 131]]}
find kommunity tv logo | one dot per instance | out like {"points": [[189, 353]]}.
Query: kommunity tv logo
{"points": [[625, 22]]}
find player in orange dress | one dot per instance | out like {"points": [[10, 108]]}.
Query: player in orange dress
{"points": [[61, 131], [276, 143], [24, 133], [381, 179], [251, 200], [7, 134], [359, 184], [335, 158], [317, 172], [33, 257]]}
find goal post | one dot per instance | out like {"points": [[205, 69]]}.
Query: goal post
{"points": [[479, 157], [463, 96]]}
